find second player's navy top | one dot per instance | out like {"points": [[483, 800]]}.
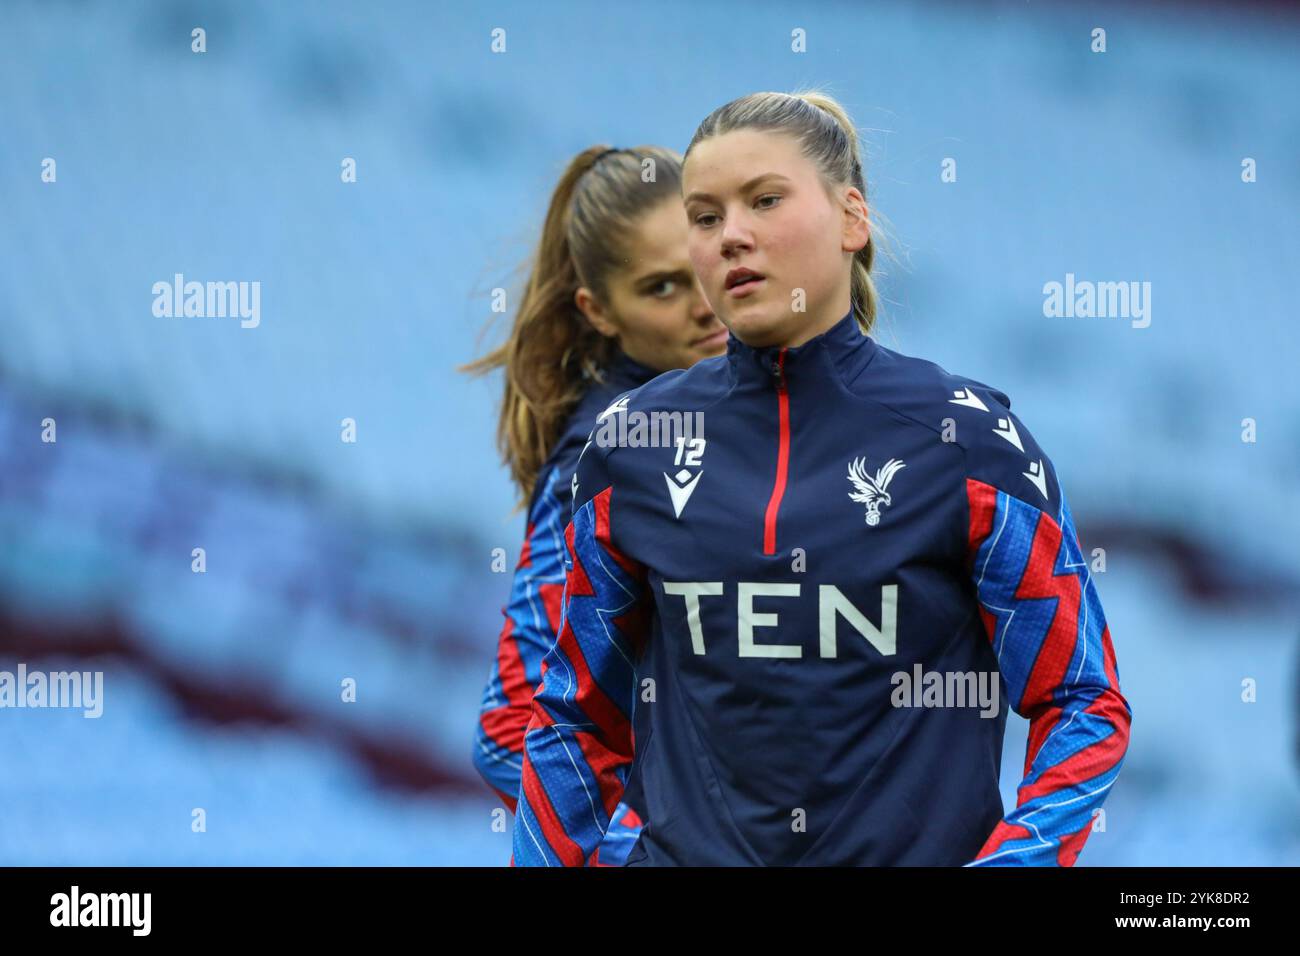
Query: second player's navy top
{"points": [[532, 615]]}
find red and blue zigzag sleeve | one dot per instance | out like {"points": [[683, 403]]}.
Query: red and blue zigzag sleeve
{"points": [[532, 618], [578, 746], [1043, 616]]}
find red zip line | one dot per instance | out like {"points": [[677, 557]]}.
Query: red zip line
{"points": [[782, 458]]}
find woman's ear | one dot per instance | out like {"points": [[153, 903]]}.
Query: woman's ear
{"points": [[591, 307], [857, 225]]}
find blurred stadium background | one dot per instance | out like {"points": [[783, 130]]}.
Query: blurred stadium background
{"points": [[372, 560]]}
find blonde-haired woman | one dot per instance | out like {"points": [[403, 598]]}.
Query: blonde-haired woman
{"points": [[610, 302], [874, 555]]}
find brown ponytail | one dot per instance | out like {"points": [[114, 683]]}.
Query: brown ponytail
{"points": [[552, 352]]}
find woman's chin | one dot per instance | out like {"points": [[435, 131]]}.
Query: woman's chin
{"points": [[755, 327]]}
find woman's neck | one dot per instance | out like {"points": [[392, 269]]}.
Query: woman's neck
{"points": [[812, 329]]}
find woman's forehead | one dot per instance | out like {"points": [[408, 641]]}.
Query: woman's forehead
{"points": [[737, 157], [658, 245]]}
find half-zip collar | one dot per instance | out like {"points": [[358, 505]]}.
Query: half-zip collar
{"points": [[624, 372], [842, 350]]}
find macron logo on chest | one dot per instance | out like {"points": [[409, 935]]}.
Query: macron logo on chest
{"points": [[681, 484], [680, 487]]}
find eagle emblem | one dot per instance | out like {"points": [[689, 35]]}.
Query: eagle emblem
{"points": [[871, 490]]}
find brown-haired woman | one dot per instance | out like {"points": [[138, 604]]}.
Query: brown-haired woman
{"points": [[610, 303]]}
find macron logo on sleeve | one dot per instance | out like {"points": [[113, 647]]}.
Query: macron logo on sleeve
{"points": [[1038, 475], [1007, 429], [964, 396]]}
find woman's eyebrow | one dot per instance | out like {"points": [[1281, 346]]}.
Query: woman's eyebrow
{"points": [[659, 275], [697, 194]]}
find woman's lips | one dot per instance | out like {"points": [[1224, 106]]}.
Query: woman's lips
{"points": [[745, 288], [713, 340]]}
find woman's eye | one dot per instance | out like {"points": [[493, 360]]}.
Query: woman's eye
{"points": [[699, 220], [773, 196]]}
